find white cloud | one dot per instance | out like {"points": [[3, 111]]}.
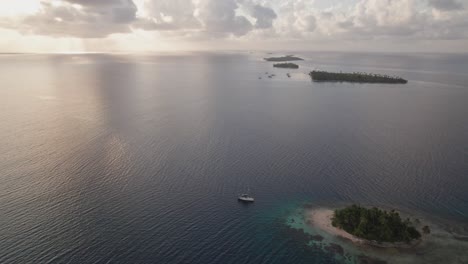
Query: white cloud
{"points": [[371, 19], [169, 15], [219, 18], [305, 21], [78, 18]]}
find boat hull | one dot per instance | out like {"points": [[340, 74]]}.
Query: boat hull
{"points": [[246, 200]]}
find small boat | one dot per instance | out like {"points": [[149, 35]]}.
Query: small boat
{"points": [[245, 198]]}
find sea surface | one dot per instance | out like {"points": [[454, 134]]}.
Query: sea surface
{"points": [[120, 158]]}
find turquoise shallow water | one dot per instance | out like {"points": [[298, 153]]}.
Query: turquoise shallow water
{"points": [[443, 244], [108, 158]]}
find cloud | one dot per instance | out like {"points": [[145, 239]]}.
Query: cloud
{"points": [[264, 16], [306, 23], [169, 15], [219, 18], [370, 19], [383, 18], [206, 18], [446, 5], [251, 20], [399, 19], [79, 18]]}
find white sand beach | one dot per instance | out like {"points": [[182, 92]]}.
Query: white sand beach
{"points": [[321, 218]]}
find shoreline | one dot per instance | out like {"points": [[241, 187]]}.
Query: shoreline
{"points": [[321, 218]]}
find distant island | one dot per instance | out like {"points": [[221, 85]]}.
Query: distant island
{"points": [[323, 76], [375, 224], [284, 58], [286, 65]]}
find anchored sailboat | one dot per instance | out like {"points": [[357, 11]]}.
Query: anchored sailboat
{"points": [[245, 197]]}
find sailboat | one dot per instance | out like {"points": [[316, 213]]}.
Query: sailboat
{"points": [[245, 197]]}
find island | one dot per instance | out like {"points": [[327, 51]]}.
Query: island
{"points": [[359, 77], [284, 58], [286, 65], [375, 224], [368, 226]]}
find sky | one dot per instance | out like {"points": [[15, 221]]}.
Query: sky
{"points": [[179, 25]]}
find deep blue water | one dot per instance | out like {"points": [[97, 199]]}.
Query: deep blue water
{"points": [[139, 158]]}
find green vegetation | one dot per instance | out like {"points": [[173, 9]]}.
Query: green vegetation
{"points": [[286, 65], [375, 224], [360, 77], [426, 230], [285, 58]]}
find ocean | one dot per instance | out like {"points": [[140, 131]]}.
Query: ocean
{"points": [[139, 158]]}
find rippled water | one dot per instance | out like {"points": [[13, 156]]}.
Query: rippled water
{"points": [[139, 158]]}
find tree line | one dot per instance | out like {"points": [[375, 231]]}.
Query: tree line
{"points": [[375, 224], [355, 77]]}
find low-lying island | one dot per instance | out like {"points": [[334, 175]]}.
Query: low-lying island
{"points": [[358, 77], [374, 227], [286, 65]]}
